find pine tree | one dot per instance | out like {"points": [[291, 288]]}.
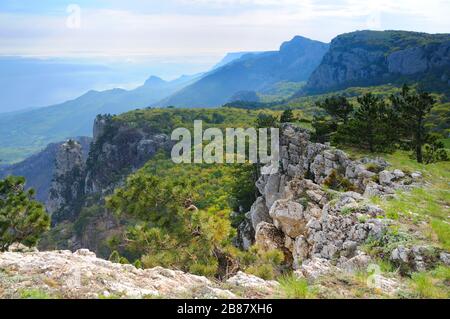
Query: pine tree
{"points": [[324, 128], [371, 126], [413, 108], [22, 219], [434, 150], [266, 121], [287, 116], [336, 111], [338, 107]]}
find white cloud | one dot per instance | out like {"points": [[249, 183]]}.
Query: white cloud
{"points": [[245, 25]]}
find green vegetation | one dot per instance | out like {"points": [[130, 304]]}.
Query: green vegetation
{"points": [[178, 215], [432, 284], [151, 119], [264, 264], [281, 91], [429, 203], [295, 288], [337, 182], [412, 109], [371, 127], [287, 116], [22, 219], [35, 294], [375, 126]]}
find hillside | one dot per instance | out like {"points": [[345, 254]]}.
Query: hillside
{"points": [[305, 106], [365, 58], [141, 208], [259, 72]]}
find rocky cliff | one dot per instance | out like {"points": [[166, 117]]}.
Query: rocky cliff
{"points": [[318, 211], [380, 57], [39, 169], [117, 150], [67, 187]]}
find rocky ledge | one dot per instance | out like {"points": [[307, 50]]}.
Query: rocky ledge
{"points": [[63, 274]]}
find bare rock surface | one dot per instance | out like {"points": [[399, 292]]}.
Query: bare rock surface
{"points": [[244, 280], [318, 207], [63, 274]]}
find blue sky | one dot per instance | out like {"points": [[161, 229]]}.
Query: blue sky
{"points": [[124, 42]]}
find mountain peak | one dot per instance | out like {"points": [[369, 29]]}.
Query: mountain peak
{"points": [[297, 42], [154, 80]]}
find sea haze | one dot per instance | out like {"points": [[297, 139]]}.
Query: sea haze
{"points": [[36, 82]]}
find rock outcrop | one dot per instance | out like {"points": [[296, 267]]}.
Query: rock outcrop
{"points": [[117, 151], [67, 186], [63, 274], [83, 181], [39, 169], [317, 204]]}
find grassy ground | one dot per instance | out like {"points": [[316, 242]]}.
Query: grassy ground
{"points": [[423, 213]]}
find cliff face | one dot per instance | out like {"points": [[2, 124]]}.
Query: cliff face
{"points": [[116, 151], [373, 58], [67, 188], [40, 168]]}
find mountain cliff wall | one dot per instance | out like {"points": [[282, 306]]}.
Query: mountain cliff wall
{"points": [[379, 57]]}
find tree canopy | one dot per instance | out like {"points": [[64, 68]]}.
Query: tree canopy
{"points": [[22, 219]]}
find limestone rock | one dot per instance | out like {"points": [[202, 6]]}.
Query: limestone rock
{"points": [[445, 258], [246, 235], [82, 275], [268, 236], [415, 258], [243, 280], [288, 217], [416, 175], [314, 268], [398, 174], [68, 182], [386, 177], [259, 212], [389, 286], [358, 263]]}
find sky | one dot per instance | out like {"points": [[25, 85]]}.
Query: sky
{"points": [[174, 37]]}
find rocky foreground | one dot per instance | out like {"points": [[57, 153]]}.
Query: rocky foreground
{"points": [[81, 275], [63, 274]]}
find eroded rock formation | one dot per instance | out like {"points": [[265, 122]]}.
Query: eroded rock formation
{"points": [[316, 206], [67, 186]]}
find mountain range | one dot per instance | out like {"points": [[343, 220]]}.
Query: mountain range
{"points": [[22, 133], [357, 59], [294, 62]]}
